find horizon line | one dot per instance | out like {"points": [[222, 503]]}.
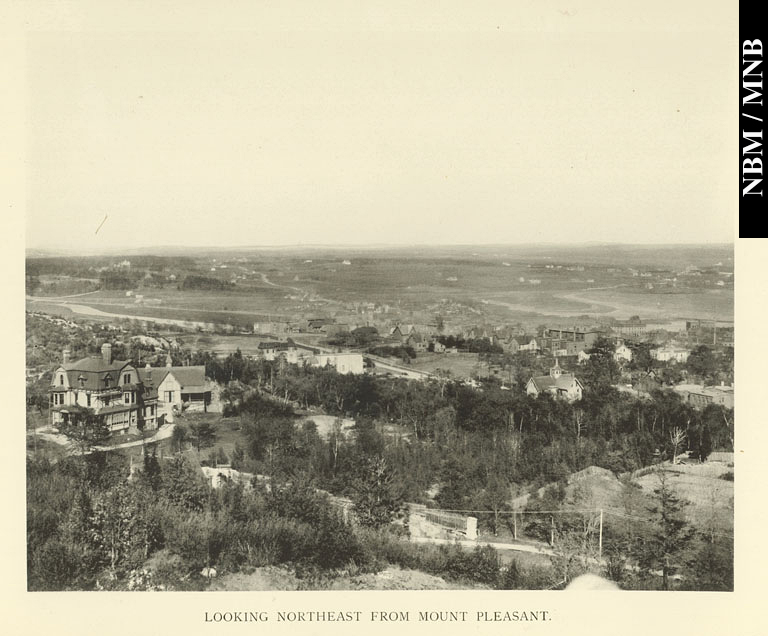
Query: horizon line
{"points": [[286, 246]]}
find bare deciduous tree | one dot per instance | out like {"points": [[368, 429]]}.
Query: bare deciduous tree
{"points": [[677, 438]]}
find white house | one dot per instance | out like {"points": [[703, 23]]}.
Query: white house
{"points": [[178, 388], [560, 385], [275, 349], [342, 362], [666, 354], [622, 353]]}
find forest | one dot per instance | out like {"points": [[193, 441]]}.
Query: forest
{"points": [[90, 527]]}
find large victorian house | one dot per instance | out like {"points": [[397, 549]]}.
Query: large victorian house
{"points": [[113, 389]]}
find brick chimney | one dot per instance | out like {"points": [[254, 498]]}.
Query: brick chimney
{"points": [[65, 355], [106, 353]]}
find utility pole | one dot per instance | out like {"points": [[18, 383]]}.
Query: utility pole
{"points": [[600, 538], [551, 530]]}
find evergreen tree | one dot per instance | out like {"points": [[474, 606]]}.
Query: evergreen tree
{"points": [[203, 434], [377, 495], [664, 547]]}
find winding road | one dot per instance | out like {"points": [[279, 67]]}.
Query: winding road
{"points": [[48, 433]]}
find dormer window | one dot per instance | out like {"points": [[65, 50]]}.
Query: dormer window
{"points": [[61, 379], [107, 381], [81, 380]]}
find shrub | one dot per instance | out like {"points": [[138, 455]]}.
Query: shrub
{"points": [[57, 566]]}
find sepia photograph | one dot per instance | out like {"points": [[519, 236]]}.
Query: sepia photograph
{"points": [[380, 298]]}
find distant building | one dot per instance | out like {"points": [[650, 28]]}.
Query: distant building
{"points": [[342, 362], [272, 327], [633, 328], [318, 325], [522, 343], [417, 342], [648, 382], [666, 354], [275, 349], [559, 384], [402, 332], [584, 337], [622, 353], [699, 396], [672, 326], [560, 347]]}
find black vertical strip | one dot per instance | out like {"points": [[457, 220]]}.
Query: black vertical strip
{"points": [[751, 160]]}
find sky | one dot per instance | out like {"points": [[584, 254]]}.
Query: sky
{"points": [[459, 123]]}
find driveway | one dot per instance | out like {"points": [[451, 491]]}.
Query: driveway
{"points": [[48, 433]]}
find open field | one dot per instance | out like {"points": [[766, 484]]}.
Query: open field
{"points": [[222, 345], [326, 423], [460, 365], [710, 498], [242, 306], [506, 283]]}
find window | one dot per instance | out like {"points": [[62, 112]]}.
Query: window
{"points": [[107, 381], [127, 398], [126, 378], [88, 399], [61, 380]]}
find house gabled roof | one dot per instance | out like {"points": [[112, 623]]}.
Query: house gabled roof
{"points": [[403, 330], [153, 376], [191, 379], [563, 383]]}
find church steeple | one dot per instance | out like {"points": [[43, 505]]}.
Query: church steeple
{"points": [[555, 371]]}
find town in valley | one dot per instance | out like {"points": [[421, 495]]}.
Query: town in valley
{"points": [[442, 417]]}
